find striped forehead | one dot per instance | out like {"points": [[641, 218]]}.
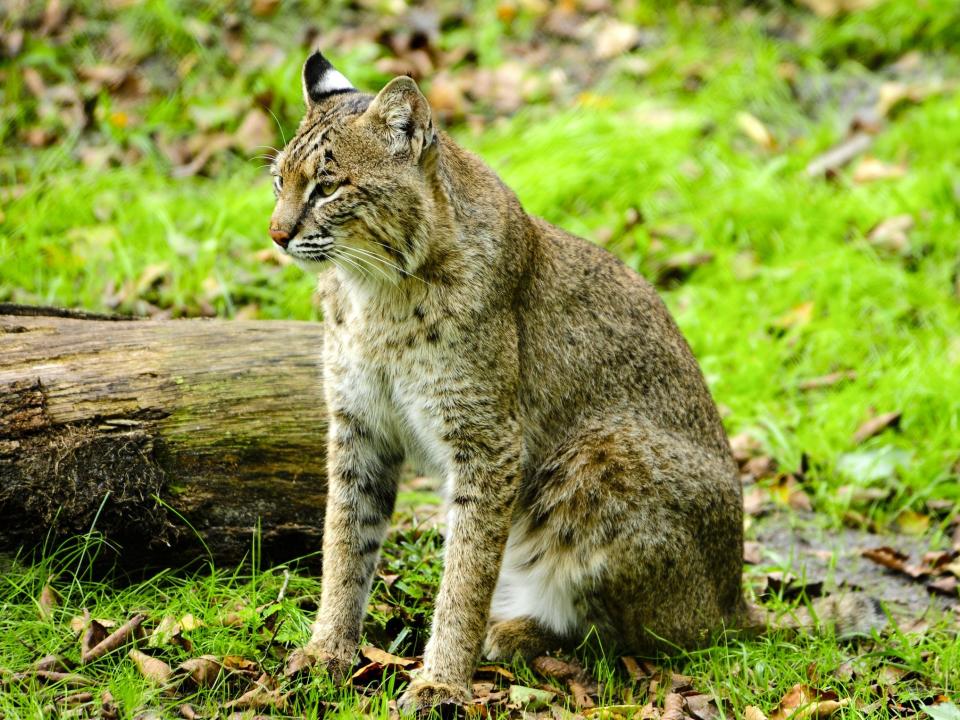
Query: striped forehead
{"points": [[311, 145]]}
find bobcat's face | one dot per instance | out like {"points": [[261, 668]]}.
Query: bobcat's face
{"points": [[350, 184]]}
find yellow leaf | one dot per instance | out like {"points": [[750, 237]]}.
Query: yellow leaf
{"points": [[754, 129]]}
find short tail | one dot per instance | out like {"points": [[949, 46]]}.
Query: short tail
{"points": [[849, 614]]}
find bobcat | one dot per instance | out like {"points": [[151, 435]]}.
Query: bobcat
{"points": [[589, 480]]}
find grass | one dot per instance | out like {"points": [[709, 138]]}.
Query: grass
{"points": [[794, 290]]}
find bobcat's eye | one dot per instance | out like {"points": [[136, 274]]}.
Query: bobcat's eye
{"points": [[328, 187], [277, 183]]}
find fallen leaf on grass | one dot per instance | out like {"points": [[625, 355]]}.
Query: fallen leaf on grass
{"points": [[380, 663], [876, 425], [752, 552], [613, 38], [872, 169], [638, 669], [673, 707], [579, 682], [802, 702], [796, 317], [203, 671], [744, 446], [913, 523], [530, 698], [751, 712], [114, 640], [943, 711], [892, 234], [54, 676], [947, 585], [895, 560], [832, 8], [52, 662], [48, 601], [261, 697], [754, 129], [256, 132], [494, 673], [702, 706], [153, 669]]}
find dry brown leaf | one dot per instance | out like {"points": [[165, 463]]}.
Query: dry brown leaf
{"points": [[114, 640], [613, 38], [946, 585], [673, 707], [264, 8], [756, 501], [876, 425], [93, 634], [48, 601], [913, 523], [256, 131], [892, 94], [744, 446], [259, 698], [753, 128], [375, 654], [702, 706], [203, 670], [895, 560], [802, 702], [832, 8], [752, 552], [796, 317], [872, 169], [762, 466], [187, 712], [751, 712], [495, 673], [153, 669], [446, 97], [53, 663]]}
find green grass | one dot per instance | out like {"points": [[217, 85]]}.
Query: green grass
{"points": [[131, 238]]}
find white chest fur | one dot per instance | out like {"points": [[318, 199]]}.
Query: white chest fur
{"points": [[379, 367]]}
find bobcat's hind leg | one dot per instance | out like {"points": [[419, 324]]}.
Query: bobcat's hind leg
{"points": [[522, 636]]}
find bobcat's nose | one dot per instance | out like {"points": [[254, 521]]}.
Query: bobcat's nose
{"points": [[280, 237]]}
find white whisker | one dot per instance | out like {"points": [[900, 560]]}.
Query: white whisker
{"points": [[350, 250]]}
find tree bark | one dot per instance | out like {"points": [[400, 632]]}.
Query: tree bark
{"points": [[170, 438]]}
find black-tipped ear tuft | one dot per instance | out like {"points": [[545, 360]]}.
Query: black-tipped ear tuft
{"points": [[321, 79]]}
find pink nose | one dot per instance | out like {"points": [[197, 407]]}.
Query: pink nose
{"points": [[280, 237]]}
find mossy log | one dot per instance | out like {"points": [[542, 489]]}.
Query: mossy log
{"points": [[168, 437]]}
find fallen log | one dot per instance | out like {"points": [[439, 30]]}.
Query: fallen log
{"points": [[171, 438]]}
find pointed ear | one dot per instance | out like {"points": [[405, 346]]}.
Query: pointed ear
{"points": [[404, 117], [321, 80]]}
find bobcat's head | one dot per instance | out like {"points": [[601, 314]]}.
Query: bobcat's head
{"points": [[352, 185]]}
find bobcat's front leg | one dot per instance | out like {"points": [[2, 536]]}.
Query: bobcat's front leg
{"points": [[362, 477], [484, 487]]}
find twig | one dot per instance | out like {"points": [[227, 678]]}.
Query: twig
{"points": [[113, 640]]}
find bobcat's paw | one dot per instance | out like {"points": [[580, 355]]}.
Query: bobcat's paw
{"points": [[521, 636], [422, 696], [303, 661]]}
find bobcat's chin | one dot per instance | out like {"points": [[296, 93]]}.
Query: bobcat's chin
{"points": [[310, 265]]}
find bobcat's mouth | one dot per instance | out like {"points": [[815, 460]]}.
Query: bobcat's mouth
{"points": [[310, 251]]}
